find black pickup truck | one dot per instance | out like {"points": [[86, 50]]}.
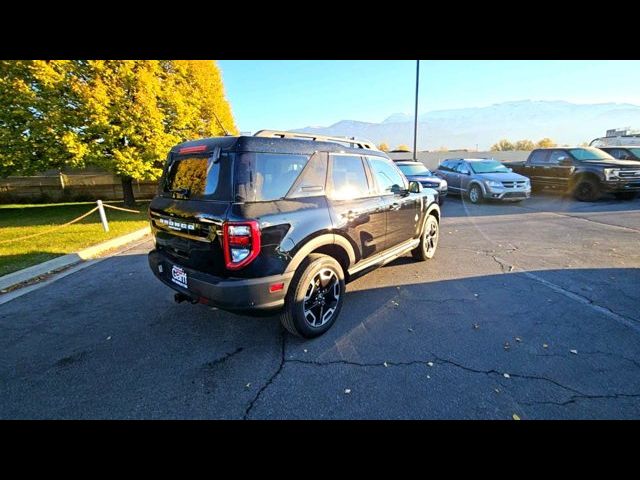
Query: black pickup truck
{"points": [[585, 172]]}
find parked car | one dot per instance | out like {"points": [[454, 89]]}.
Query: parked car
{"points": [[585, 172], [483, 178], [624, 152], [417, 172], [280, 222]]}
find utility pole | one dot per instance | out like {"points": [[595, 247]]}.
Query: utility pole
{"points": [[415, 119]]}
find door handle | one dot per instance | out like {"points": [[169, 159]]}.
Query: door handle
{"points": [[394, 206]]}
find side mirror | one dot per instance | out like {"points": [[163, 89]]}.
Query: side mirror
{"points": [[415, 187], [510, 169]]}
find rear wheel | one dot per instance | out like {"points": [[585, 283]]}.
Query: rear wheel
{"points": [[428, 241], [626, 195], [315, 297], [475, 194], [587, 190]]}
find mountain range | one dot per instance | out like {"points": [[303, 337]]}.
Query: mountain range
{"points": [[481, 127]]}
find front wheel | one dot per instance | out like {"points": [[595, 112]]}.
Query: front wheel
{"points": [[428, 241], [626, 195], [315, 297], [475, 194], [587, 190]]}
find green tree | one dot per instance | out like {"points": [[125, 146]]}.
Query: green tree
{"points": [[524, 145], [383, 147], [546, 143], [39, 119], [123, 115], [503, 145]]}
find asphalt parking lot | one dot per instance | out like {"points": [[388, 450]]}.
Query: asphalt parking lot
{"points": [[530, 309]]}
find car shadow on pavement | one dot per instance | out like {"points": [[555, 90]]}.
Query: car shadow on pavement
{"points": [[411, 349]]}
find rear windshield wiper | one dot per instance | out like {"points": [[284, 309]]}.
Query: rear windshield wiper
{"points": [[181, 191]]}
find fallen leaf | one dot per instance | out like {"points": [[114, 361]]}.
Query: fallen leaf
{"points": [[575, 352], [497, 390], [507, 345], [475, 294], [410, 329], [511, 268], [476, 326], [109, 337], [428, 376], [506, 375], [515, 417], [347, 391], [305, 350], [544, 345], [247, 385], [518, 339], [385, 364], [430, 364]]}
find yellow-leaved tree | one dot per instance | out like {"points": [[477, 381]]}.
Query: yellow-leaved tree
{"points": [[39, 116], [123, 115]]}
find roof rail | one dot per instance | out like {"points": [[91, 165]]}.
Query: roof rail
{"points": [[352, 141]]}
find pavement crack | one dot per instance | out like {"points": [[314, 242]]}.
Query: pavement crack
{"points": [[224, 358], [438, 360], [271, 378], [625, 320], [575, 398], [505, 267], [596, 352], [586, 219]]}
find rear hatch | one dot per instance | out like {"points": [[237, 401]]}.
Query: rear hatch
{"points": [[194, 197]]}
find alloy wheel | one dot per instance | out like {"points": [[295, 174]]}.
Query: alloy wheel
{"points": [[321, 298]]}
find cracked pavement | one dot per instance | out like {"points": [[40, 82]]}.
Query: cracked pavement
{"points": [[531, 308]]}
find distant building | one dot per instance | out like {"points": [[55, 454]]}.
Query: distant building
{"points": [[619, 132]]}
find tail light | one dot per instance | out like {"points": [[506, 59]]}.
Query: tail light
{"points": [[241, 243]]}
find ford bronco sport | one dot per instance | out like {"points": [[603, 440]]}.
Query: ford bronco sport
{"points": [[280, 222]]}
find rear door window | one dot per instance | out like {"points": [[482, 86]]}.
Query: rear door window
{"points": [[556, 155], [348, 178], [538, 157], [261, 177]]}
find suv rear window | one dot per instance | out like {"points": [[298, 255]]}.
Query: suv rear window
{"points": [[199, 176], [261, 177]]}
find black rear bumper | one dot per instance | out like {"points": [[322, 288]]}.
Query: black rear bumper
{"points": [[234, 294]]}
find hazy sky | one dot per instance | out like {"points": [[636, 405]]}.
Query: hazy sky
{"points": [[284, 94]]}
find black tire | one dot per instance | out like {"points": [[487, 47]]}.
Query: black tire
{"points": [[587, 190], [297, 314], [428, 240], [475, 194], [626, 195]]}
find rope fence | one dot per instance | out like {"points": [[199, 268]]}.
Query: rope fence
{"points": [[99, 208]]}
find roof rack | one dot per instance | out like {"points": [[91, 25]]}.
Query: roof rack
{"points": [[352, 141]]}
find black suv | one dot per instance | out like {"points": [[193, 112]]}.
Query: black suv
{"points": [[281, 221]]}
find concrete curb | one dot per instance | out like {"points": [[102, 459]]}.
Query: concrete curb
{"points": [[26, 274]]}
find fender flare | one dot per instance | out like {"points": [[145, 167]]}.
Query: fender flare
{"points": [[434, 207], [480, 184], [317, 242]]}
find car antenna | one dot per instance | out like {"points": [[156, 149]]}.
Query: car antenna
{"points": [[226, 134]]}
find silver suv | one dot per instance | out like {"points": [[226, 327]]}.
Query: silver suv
{"points": [[483, 178]]}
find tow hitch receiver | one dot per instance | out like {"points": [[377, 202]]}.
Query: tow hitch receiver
{"points": [[181, 297]]}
